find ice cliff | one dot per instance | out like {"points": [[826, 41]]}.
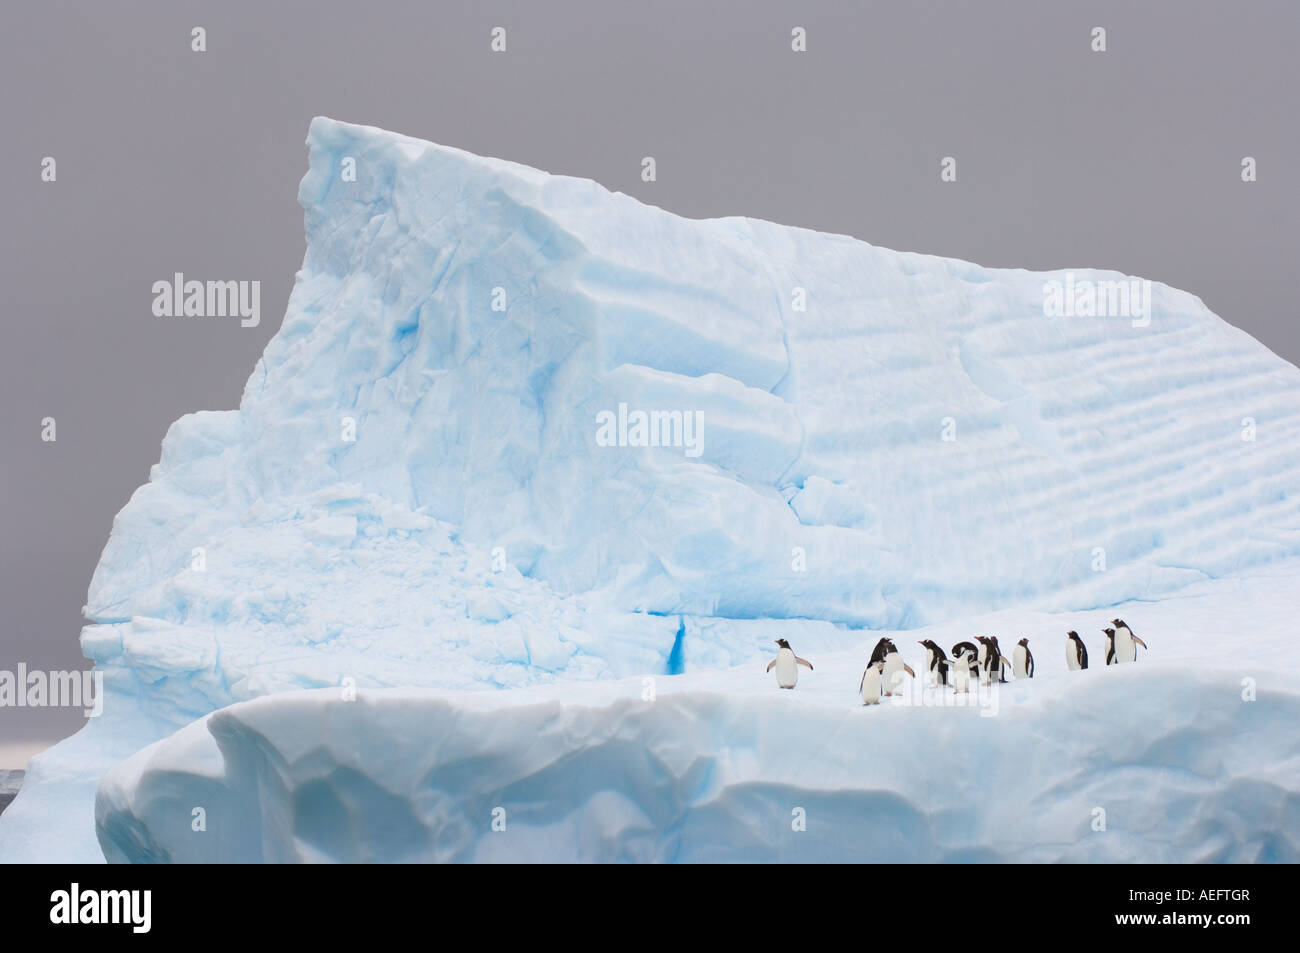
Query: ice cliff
{"points": [[412, 492]]}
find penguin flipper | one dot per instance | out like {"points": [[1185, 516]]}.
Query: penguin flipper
{"points": [[770, 664], [1140, 642], [804, 662]]}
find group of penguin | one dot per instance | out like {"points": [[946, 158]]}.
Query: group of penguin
{"points": [[982, 658]]}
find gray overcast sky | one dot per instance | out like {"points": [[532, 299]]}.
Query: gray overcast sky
{"points": [[170, 160]]}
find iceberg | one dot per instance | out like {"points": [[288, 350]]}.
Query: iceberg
{"points": [[414, 500]]}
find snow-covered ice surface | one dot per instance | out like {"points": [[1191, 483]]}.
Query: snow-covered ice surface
{"points": [[1186, 755], [475, 537]]}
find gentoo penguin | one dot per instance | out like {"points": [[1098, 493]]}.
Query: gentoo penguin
{"points": [[787, 665], [880, 651], [1076, 653], [872, 679], [1126, 642], [1110, 646], [894, 669], [964, 666], [992, 661], [1004, 663], [936, 663], [1022, 660]]}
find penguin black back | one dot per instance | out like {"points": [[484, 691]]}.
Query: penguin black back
{"points": [[936, 653], [995, 659], [937, 660], [965, 648], [1029, 658], [1080, 650]]}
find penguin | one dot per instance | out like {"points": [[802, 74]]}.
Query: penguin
{"points": [[1126, 642], [1076, 653], [893, 670], [1110, 647], [992, 661], [964, 662], [872, 680], [1004, 663], [787, 665], [1023, 660], [936, 663], [880, 651]]}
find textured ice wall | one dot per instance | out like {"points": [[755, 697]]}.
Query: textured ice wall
{"points": [[1176, 767], [822, 428]]}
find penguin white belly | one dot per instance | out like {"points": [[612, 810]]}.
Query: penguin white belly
{"points": [[787, 669], [931, 668], [893, 674], [1125, 647], [1020, 662], [871, 687], [960, 677], [1071, 657]]}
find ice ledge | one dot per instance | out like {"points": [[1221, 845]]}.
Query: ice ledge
{"points": [[707, 770]]}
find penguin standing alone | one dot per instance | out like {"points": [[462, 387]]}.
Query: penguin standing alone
{"points": [[1076, 653], [1126, 642], [787, 665], [1022, 664], [872, 680]]}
